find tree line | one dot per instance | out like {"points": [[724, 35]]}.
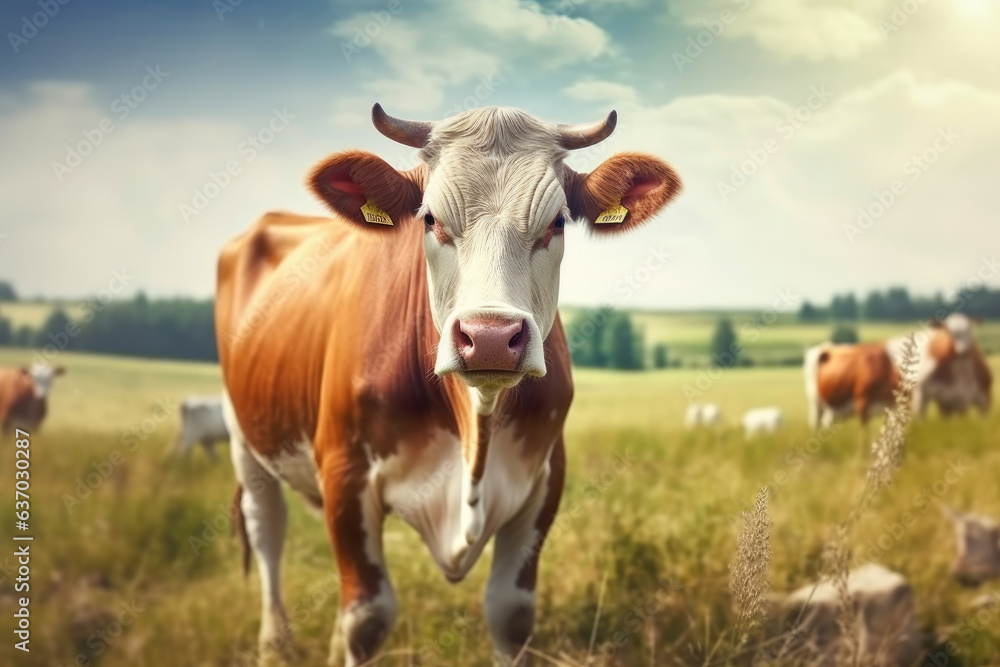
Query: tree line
{"points": [[606, 338], [896, 305], [141, 327], [603, 338]]}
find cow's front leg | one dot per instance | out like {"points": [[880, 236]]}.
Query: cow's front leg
{"points": [[354, 515], [510, 594], [263, 511]]}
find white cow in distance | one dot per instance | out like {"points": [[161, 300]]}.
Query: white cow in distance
{"points": [[201, 421], [702, 414], [762, 420]]}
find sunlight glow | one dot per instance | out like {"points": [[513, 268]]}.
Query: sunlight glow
{"points": [[975, 8]]}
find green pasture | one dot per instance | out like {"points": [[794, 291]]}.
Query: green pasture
{"points": [[152, 534]]}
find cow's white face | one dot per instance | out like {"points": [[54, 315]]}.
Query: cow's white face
{"points": [[492, 196], [959, 327], [493, 211], [42, 375]]}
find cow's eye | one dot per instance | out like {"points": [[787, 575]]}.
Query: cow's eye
{"points": [[559, 222], [429, 220]]}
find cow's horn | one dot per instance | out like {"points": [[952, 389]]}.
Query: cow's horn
{"points": [[407, 132], [587, 134]]}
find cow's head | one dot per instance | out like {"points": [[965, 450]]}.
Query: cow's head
{"points": [[42, 375], [493, 196], [958, 328]]}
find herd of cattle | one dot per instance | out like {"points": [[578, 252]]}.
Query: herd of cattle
{"points": [[858, 380], [367, 353]]}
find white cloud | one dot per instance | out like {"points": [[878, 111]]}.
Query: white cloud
{"points": [[120, 207], [811, 29], [423, 56], [785, 228]]}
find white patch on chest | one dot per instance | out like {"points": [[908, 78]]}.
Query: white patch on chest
{"points": [[424, 488]]}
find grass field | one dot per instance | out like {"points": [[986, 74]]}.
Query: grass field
{"points": [[658, 530]]}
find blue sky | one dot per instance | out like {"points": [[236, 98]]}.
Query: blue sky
{"points": [[887, 80]]}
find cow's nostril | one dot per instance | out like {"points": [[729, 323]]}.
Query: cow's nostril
{"points": [[515, 341], [464, 340]]}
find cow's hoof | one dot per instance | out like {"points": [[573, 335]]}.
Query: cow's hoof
{"points": [[511, 633], [278, 649], [366, 638], [358, 640]]}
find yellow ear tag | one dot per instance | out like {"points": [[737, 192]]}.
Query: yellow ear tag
{"points": [[375, 215], [615, 215]]}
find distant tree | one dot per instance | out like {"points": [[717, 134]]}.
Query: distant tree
{"points": [[24, 336], [979, 301], [924, 308], [810, 313], [53, 332], [6, 331], [585, 336], [661, 356], [875, 308], [844, 307], [726, 350], [898, 306], [844, 333], [622, 343], [7, 292]]}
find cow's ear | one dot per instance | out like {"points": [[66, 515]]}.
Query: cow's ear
{"points": [[351, 180], [622, 193], [935, 323], [976, 320], [59, 370], [24, 370]]}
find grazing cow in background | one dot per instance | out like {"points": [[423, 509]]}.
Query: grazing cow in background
{"points": [[762, 420], [24, 395], [201, 421], [951, 369], [702, 414], [848, 380], [362, 358]]}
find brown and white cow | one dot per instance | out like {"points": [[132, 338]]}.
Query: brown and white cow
{"points": [[848, 380], [24, 395], [951, 369], [420, 367]]}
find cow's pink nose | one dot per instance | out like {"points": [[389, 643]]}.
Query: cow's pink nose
{"points": [[491, 345]]}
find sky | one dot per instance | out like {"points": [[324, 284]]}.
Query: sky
{"points": [[824, 145]]}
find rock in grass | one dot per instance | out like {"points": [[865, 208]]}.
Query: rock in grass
{"points": [[977, 538], [879, 616]]}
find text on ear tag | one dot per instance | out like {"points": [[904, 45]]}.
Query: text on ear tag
{"points": [[375, 215], [615, 214]]}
